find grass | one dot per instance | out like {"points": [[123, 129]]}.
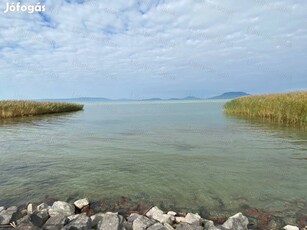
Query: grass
{"points": [[285, 108], [15, 108]]}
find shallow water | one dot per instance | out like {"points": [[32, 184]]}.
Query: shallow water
{"points": [[187, 152]]}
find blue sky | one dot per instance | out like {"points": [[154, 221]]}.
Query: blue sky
{"points": [[158, 48]]}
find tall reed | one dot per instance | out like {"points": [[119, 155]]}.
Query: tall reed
{"points": [[20, 108], [284, 108]]}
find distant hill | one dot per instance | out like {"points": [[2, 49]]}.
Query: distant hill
{"points": [[229, 95], [152, 99]]}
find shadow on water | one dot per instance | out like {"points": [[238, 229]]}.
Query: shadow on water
{"points": [[35, 120]]}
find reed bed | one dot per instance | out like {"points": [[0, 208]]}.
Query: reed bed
{"points": [[285, 108], [15, 108]]}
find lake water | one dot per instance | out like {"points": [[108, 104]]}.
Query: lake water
{"points": [[189, 152]]}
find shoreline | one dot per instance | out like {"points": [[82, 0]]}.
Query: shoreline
{"points": [[82, 214]]}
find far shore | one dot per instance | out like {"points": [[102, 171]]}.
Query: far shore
{"points": [[24, 108]]}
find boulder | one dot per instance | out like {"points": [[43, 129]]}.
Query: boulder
{"points": [[157, 226], [61, 208], [55, 222], [78, 222], [290, 227], [30, 208], [133, 217], [27, 226], [179, 219], [168, 226], [142, 223], [236, 222], [210, 226], [111, 221], [2, 208], [7, 214], [42, 206], [191, 218], [158, 215], [81, 203], [172, 213], [96, 218], [186, 226]]}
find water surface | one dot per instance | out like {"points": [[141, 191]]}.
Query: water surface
{"points": [[189, 153]]}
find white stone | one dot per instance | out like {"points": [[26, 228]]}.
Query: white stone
{"points": [[237, 221], [61, 208], [142, 223], [192, 218], [2, 208], [290, 227], [42, 206], [30, 208], [81, 203], [171, 213], [179, 219], [168, 226], [158, 215]]}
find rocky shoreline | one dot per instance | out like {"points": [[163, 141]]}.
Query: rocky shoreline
{"points": [[82, 215]]}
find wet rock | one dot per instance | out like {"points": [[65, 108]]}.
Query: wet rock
{"points": [[218, 220], [158, 215], [61, 208], [2, 208], [261, 219], [290, 227], [111, 221], [39, 218], [194, 219], [7, 214], [142, 223], [186, 226], [78, 222], [236, 222], [55, 222], [157, 226], [301, 221], [275, 223], [81, 203]]}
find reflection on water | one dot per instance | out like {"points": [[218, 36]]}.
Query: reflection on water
{"points": [[188, 154]]}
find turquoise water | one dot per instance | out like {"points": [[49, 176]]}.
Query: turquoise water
{"points": [[183, 151]]}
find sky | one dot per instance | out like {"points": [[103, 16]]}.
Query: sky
{"points": [[152, 48]]}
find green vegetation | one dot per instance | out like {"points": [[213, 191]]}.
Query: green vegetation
{"points": [[284, 108], [9, 108]]}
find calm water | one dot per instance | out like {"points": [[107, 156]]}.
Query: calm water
{"points": [[188, 152]]}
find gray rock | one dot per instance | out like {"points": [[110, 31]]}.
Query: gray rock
{"points": [[191, 218], [27, 226], [210, 226], [55, 222], [61, 208], [142, 223], [157, 226], [133, 217], [111, 221], [158, 215], [172, 213], [38, 218], [168, 226], [79, 222], [81, 203], [186, 226], [42, 206], [6, 215], [2, 208], [236, 222], [96, 218], [290, 227]]}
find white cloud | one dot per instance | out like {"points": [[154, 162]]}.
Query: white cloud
{"points": [[136, 45]]}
